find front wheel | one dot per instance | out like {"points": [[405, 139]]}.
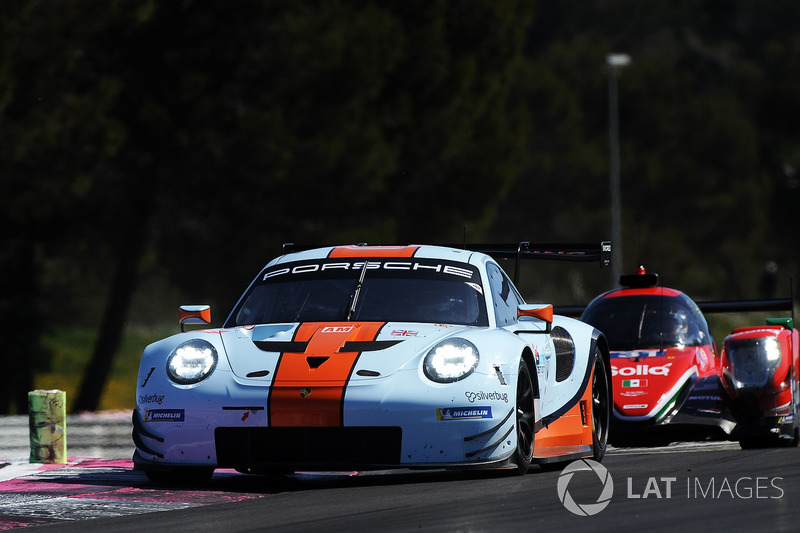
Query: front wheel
{"points": [[526, 425], [750, 442], [601, 406]]}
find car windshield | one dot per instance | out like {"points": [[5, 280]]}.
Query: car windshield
{"points": [[407, 290], [648, 321], [753, 360]]}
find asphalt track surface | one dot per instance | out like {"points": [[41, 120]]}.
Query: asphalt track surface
{"points": [[702, 486]]}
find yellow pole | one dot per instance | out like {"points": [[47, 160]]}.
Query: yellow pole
{"points": [[47, 412]]}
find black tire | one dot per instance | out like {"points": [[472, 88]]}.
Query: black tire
{"points": [[180, 477], [601, 407], [525, 421]]}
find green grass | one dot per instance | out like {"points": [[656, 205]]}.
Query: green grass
{"points": [[72, 350]]}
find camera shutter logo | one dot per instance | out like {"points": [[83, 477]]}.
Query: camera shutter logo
{"points": [[586, 509]]}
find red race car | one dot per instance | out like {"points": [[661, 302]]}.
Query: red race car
{"points": [[759, 372], [664, 365]]}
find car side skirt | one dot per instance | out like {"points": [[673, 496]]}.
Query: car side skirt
{"points": [[570, 436]]}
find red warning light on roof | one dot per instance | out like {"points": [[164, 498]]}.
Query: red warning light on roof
{"points": [[640, 280]]}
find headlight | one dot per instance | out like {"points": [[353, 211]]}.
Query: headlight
{"points": [[753, 361], [451, 360], [191, 361]]}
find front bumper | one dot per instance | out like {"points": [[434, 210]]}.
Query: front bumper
{"points": [[396, 422], [701, 409]]}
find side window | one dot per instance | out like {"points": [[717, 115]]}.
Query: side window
{"points": [[505, 297]]}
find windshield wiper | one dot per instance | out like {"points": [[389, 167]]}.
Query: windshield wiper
{"points": [[354, 297]]}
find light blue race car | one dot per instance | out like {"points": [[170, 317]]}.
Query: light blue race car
{"points": [[375, 357]]}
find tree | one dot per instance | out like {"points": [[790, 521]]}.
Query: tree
{"points": [[194, 138], [703, 168], [211, 132], [53, 138]]}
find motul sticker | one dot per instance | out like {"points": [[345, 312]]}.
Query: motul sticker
{"points": [[641, 370], [707, 397]]}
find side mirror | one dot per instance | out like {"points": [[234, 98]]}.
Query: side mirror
{"points": [[542, 312], [194, 314]]}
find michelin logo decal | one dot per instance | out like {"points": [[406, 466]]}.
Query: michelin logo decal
{"points": [[463, 413], [164, 415]]}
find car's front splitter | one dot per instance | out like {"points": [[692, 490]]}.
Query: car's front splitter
{"points": [[763, 414]]}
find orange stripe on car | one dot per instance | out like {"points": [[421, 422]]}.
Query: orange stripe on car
{"points": [[373, 251], [308, 388], [572, 429]]}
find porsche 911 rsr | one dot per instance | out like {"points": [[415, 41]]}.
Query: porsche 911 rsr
{"points": [[365, 357]]}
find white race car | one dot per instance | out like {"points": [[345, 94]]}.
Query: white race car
{"points": [[375, 357]]}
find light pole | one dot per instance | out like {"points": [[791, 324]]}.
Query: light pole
{"points": [[615, 64]]}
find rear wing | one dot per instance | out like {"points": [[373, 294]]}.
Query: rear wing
{"points": [[523, 250], [745, 306], [546, 252]]}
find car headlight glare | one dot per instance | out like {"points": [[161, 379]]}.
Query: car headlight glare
{"points": [[191, 362], [451, 360]]}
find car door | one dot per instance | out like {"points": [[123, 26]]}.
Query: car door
{"points": [[506, 301]]}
